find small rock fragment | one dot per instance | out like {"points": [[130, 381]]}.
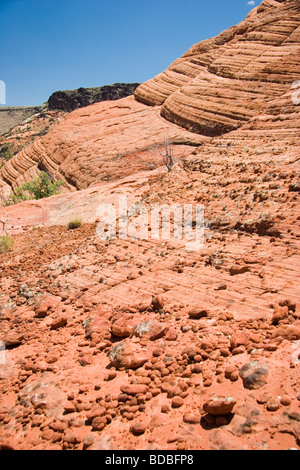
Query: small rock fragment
{"points": [[59, 322], [254, 375], [219, 405], [273, 404], [198, 312], [157, 302], [128, 355], [138, 428]]}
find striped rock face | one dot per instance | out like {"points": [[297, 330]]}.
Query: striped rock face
{"points": [[244, 79], [137, 342], [221, 83]]}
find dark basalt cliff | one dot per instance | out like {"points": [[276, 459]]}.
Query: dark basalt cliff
{"points": [[69, 100]]}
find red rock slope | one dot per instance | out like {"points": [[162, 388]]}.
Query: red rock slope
{"points": [[141, 344], [215, 87], [221, 83]]}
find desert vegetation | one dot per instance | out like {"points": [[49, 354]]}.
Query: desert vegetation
{"points": [[74, 223], [133, 340], [40, 187], [6, 243]]}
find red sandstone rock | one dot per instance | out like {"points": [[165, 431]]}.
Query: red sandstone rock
{"points": [[219, 405], [138, 428], [157, 302], [58, 322], [44, 395], [95, 412], [134, 389], [238, 339], [96, 326], [273, 404], [47, 304], [254, 375], [198, 312], [211, 73], [279, 314], [191, 418], [151, 330], [124, 325], [291, 332], [61, 384], [171, 334], [12, 339], [128, 355]]}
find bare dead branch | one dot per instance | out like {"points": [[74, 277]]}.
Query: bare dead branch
{"points": [[167, 156], [3, 226]]}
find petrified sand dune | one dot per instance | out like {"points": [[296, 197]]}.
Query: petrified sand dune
{"points": [[97, 143], [139, 343], [216, 87], [221, 83]]}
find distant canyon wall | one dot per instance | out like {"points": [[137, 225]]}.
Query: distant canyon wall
{"points": [[66, 100], [12, 116]]}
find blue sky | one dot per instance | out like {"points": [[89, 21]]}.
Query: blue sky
{"points": [[49, 45]]}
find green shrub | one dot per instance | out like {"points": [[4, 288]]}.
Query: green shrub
{"points": [[75, 223], [43, 131], [42, 186], [38, 188], [5, 152], [18, 196], [6, 243]]}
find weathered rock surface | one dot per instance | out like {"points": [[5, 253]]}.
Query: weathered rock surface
{"points": [[150, 338], [102, 142], [128, 355], [254, 375], [243, 77], [221, 83], [219, 405]]}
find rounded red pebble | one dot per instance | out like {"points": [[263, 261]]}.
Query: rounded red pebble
{"points": [[138, 428]]}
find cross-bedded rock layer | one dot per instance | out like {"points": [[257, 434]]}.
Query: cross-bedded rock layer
{"points": [[139, 343], [221, 83], [244, 79]]}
